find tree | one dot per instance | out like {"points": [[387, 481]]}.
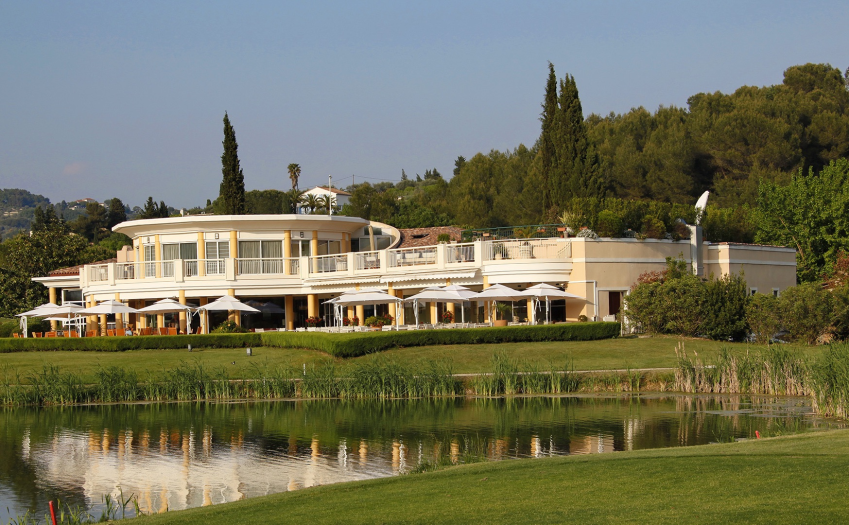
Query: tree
{"points": [[117, 213], [259, 202], [547, 150], [810, 215], [291, 199], [231, 194], [151, 209], [294, 174], [163, 210], [311, 202]]}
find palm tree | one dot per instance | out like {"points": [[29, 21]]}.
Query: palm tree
{"points": [[294, 173], [291, 199], [326, 202], [311, 202]]}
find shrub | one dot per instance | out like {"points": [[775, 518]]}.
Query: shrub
{"points": [[587, 234], [608, 224], [806, 312], [763, 317], [724, 307], [7, 326], [653, 228], [229, 327], [120, 344], [357, 344], [443, 238]]}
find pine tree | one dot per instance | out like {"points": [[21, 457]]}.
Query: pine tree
{"points": [[117, 213], [37, 220], [151, 210], [163, 209], [232, 190]]}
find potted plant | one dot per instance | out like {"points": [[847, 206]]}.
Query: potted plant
{"points": [[504, 310], [312, 322], [447, 317], [355, 321], [499, 251]]}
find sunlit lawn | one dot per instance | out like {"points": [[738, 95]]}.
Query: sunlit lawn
{"points": [[794, 479], [631, 352]]}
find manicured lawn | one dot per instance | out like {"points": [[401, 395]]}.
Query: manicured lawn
{"points": [[793, 479], [631, 352]]}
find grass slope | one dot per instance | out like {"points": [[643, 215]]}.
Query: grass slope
{"points": [[653, 352], [798, 479]]}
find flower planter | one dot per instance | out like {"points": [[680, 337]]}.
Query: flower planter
{"points": [[500, 322]]}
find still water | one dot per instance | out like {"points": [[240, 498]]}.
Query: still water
{"points": [[175, 456]]}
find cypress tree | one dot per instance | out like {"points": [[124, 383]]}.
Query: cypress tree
{"points": [[547, 150], [232, 191]]}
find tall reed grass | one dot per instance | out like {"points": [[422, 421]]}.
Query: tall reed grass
{"points": [[830, 382]]}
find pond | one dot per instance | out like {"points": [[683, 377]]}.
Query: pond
{"points": [[180, 455]]}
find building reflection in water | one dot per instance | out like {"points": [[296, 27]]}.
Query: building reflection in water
{"points": [[208, 459]]}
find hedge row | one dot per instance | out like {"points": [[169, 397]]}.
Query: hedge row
{"points": [[120, 344], [361, 343], [339, 345]]}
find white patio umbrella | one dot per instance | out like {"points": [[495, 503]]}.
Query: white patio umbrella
{"points": [[463, 292], [499, 292], [367, 297], [547, 292], [434, 294], [166, 306], [109, 307], [39, 311], [225, 303]]}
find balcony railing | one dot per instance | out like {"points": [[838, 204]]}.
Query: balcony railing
{"points": [[125, 271], [329, 263], [267, 266], [98, 273], [459, 253], [404, 257], [213, 266], [367, 260], [516, 249]]}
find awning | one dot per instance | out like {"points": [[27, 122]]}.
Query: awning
{"points": [[428, 276]]}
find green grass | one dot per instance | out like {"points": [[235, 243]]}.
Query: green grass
{"points": [[621, 353], [793, 479]]}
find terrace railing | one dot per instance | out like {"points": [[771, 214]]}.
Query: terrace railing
{"points": [[125, 271], [329, 263], [367, 261], [459, 253], [267, 266], [515, 249], [98, 273], [403, 257]]}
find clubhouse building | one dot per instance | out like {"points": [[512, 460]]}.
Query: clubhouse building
{"points": [[289, 266]]}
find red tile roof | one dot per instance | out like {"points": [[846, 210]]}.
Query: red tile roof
{"points": [[412, 237], [75, 270]]}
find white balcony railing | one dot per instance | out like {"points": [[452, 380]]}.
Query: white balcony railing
{"points": [[404, 257], [98, 273], [459, 253], [267, 266], [516, 249], [125, 271], [329, 263], [367, 261]]}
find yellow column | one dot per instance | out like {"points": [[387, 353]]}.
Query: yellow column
{"points": [[351, 312], [450, 306], [289, 306], [287, 250], [434, 313], [51, 295], [201, 254], [139, 247], [201, 302], [361, 313], [314, 250], [103, 325], [312, 310], [182, 299], [234, 244], [530, 308], [157, 248], [91, 322], [141, 318], [392, 310], [233, 315], [346, 242], [119, 318], [160, 321], [400, 295], [486, 307]]}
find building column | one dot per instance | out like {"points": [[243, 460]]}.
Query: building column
{"points": [[233, 315], [119, 318], [202, 302], [182, 314], [201, 254], [350, 312], [392, 309], [289, 306], [530, 309], [486, 309], [287, 251], [314, 251], [434, 313], [400, 295], [311, 305], [141, 319], [361, 314], [91, 320], [51, 294], [103, 325], [157, 248], [160, 321]]}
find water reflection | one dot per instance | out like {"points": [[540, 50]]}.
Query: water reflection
{"points": [[175, 456]]}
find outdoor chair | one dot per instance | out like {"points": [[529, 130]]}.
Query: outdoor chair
{"points": [[49, 334], [110, 333], [172, 331], [72, 333], [16, 335], [36, 334], [162, 330], [90, 333]]}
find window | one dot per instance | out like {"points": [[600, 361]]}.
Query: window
{"points": [[300, 248], [150, 255], [260, 257], [775, 292], [187, 251], [216, 252], [753, 291]]}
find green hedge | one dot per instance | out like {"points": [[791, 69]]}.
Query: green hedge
{"points": [[119, 344], [361, 343]]}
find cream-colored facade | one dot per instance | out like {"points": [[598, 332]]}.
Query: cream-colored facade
{"points": [[296, 259]]}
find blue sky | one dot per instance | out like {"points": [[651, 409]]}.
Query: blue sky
{"points": [[125, 99]]}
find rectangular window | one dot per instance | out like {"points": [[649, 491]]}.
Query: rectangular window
{"points": [[260, 257], [216, 252], [753, 291], [150, 257], [775, 292], [187, 251]]}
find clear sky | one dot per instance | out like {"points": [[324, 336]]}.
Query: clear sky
{"points": [[126, 99]]}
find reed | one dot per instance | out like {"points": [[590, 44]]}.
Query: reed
{"points": [[830, 382]]}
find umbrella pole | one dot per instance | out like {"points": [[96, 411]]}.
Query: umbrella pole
{"points": [[416, 311]]}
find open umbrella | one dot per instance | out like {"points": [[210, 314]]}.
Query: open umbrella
{"points": [[499, 292], [109, 307], [547, 292], [39, 311], [225, 303], [165, 306], [367, 297], [434, 294]]}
